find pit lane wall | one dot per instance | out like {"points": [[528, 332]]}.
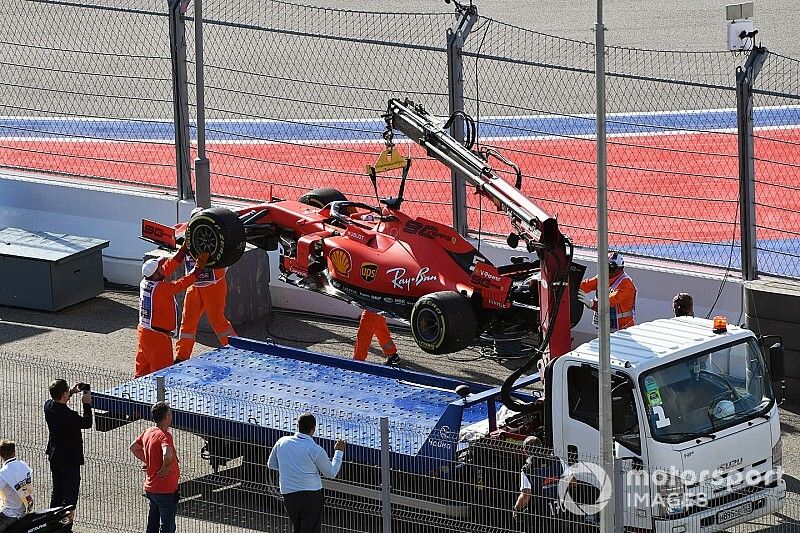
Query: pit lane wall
{"points": [[115, 212]]}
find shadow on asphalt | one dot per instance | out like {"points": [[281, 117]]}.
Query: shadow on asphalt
{"points": [[107, 316], [16, 332]]}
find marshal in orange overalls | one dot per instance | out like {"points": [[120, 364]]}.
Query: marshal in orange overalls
{"points": [[370, 325], [621, 297], [158, 316], [209, 293]]}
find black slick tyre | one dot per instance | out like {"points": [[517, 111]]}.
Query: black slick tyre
{"points": [[443, 322], [322, 197], [218, 231]]}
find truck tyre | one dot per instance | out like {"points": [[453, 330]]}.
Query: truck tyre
{"points": [[218, 231], [443, 322], [322, 197]]}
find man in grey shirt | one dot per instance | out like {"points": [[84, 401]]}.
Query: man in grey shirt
{"points": [[299, 462]]}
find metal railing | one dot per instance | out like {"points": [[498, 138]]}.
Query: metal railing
{"points": [[294, 93], [387, 482]]}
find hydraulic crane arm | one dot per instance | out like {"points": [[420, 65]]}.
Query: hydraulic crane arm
{"points": [[531, 224], [534, 226]]}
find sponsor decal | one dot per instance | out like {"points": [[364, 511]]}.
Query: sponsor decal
{"points": [[730, 464], [369, 272], [444, 438], [489, 275], [341, 261], [426, 230], [356, 236], [401, 281], [294, 269]]}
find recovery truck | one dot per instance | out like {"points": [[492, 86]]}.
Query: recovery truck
{"points": [[684, 391], [688, 397]]}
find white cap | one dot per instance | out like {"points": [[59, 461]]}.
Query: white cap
{"points": [[195, 211], [615, 259], [150, 267], [724, 409], [530, 443]]}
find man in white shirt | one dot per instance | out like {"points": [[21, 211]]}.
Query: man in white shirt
{"points": [[16, 485], [299, 462]]}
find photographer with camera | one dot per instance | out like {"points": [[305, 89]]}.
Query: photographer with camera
{"points": [[65, 442]]}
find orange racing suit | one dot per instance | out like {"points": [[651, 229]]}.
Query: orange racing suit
{"points": [[372, 324], [158, 316], [209, 293]]}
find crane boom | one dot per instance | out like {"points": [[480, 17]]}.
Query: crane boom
{"points": [[536, 226], [538, 229]]}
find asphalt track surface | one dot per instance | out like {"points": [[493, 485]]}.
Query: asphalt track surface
{"points": [[645, 24]]}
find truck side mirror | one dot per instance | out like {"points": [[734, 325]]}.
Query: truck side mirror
{"points": [[777, 371]]}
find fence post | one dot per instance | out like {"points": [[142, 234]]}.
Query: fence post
{"points": [[161, 389], [202, 167], [180, 97], [386, 474], [745, 77], [620, 496], [456, 37]]}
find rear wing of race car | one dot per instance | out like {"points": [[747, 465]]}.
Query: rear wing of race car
{"points": [[158, 233]]}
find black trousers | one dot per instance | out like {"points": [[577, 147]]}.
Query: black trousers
{"points": [[66, 484], [305, 510]]}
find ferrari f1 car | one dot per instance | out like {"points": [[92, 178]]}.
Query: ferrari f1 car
{"points": [[412, 269]]}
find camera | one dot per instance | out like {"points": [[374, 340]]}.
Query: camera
{"points": [[85, 387]]}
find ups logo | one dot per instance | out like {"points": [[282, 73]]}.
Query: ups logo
{"points": [[369, 271]]}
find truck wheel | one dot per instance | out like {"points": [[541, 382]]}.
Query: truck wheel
{"points": [[443, 322], [322, 197], [218, 231]]}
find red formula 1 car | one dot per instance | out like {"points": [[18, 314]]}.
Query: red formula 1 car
{"points": [[413, 269]]}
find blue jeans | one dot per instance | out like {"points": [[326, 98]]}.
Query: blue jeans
{"points": [[163, 509]]}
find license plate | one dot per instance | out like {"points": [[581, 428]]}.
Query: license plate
{"points": [[733, 513]]}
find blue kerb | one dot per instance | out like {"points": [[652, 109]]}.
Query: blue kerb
{"points": [[370, 129]]}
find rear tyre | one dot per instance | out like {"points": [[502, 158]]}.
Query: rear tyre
{"points": [[322, 197], [218, 231], [443, 322]]}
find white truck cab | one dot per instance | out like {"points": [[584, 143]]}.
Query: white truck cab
{"points": [[694, 414]]}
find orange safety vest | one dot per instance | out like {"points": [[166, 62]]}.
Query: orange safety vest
{"points": [[158, 309], [208, 276], [622, 299]]}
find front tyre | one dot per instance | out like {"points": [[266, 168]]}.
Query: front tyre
{"points": [[443, 322], [218, 231], [322, 197]]}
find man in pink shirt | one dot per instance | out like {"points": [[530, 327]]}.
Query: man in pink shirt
{"points": [[155, 448]]}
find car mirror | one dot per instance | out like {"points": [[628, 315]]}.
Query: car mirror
{"points": [[777, 370]]}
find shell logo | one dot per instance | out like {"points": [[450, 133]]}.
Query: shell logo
{"points": [[342, 264]]}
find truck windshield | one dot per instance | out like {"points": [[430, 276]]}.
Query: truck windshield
{"points": [[701, 394]]}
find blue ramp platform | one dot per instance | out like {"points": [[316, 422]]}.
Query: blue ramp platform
{"points": [[252, 392]]}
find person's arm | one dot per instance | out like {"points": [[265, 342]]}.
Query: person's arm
{"points": [[72, 419], [522, 501], [183, 283], [167, 459], [330, 467], [86, 419], [272, 461], [137, 449], [623, 294], [175, 261], [589, 285]]}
